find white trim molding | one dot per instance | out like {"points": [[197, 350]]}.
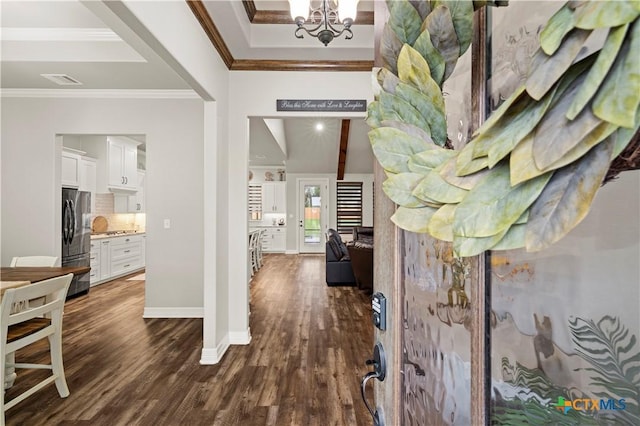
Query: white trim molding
{"points": [[212, 356], [59, 34], [100, 93], [240, 337], [173, 313]]}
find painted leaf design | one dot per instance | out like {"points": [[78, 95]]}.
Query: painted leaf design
{"points": [[556, 135], [440, 225], [443, 36], [567, 198], [431, 55], [619, 96], [395, 108], [413, 220], [404, 20], [546, 69], [393, 148], [399, 187], [556, 29], [462, 17], [494, 205], [598, 72], [433, 187], [448, 173], [434, 117], [602, 14]]}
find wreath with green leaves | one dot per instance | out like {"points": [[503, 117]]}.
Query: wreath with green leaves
{"points": [[531, 171]]}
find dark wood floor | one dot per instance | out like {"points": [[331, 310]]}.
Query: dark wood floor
{"points": [[303, 366]]}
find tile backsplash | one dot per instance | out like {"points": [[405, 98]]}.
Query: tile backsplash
{"points": [[118, 221]]}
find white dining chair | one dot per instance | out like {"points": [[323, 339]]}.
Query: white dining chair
{"points": [[34, 261], [20, 329]]}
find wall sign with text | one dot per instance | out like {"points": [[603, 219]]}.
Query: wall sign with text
{"points": [[332, 105]]}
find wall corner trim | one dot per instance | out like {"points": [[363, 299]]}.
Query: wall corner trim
{"points": [[212, 356], [240, 337]]}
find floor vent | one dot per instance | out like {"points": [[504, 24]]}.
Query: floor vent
{"points": [[62, 79]]}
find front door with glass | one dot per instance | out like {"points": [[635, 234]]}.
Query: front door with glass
{"points": [[312, 215]]}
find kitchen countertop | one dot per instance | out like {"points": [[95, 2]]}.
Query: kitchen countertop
{"points": [[267, 226], [106, 235]]}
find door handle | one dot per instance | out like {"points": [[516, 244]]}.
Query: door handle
{"points": [[379, 372]]}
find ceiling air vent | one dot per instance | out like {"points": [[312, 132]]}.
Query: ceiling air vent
{"points": [[62, 79]]}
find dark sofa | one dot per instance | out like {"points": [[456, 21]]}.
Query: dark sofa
{"points": [[361, 255], [338, 263]]}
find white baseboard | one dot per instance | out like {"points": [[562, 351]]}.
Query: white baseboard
{"points": [[291, 252], [240, 337], [173, 313], [212, 356]]}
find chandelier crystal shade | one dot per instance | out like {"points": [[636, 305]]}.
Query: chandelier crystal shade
{"points": [[324, 17]]}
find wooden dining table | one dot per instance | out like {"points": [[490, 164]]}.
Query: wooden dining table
{"points": [[12, 277]]}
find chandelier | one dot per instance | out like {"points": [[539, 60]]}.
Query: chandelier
{"points": [[323, 17]]}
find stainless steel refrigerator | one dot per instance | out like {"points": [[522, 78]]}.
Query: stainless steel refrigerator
{"points": [[76, 235]]}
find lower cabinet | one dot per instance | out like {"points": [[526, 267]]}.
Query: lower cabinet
{"points": [[114, 257], [274, 240]]}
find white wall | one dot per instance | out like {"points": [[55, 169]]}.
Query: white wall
{"points": [[254, 94], [31, 202]]}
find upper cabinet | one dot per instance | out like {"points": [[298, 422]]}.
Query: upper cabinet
{"points": [[123, 164], [70, 177], [274, 197], [124, 203]]}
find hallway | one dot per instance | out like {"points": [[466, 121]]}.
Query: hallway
{"points": [[303, 366]]}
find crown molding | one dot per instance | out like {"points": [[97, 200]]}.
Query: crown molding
{"points": [[99, 93], [202, 15]]}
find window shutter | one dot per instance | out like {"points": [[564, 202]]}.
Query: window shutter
{"points": [[349, 206], [255, 202]]}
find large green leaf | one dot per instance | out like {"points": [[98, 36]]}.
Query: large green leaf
{"points": [[399, 188], [404, 20], [414, 69], [502, 109], [374, 115], [623, 136], [393, 148], [410, 130], [390, 48], [422, 102], [472, 246], [388, 80], [619, 96], [433, 187], [598, 72], [440, 224], [466, 164], [423, 8], [567, 198], [431, 55], [396, 108], [556, 29], [462, 16], [556, 135], [546, 69], [522, 163], [602, 14], [448, 173], [513, 239], [514, 126], [443, 36], [432, 158], [413, 220], [494, 205]]}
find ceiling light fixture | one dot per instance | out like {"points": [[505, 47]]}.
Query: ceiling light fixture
{"points": [[319, 126], [324, 14]]}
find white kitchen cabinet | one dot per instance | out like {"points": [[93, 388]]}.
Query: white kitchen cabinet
{"points": [[105, 259], [126, 255], [274, 197], [124, 203], [95, 256], [88, 173], [122, 164], [274, 240], [70, 177]]}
